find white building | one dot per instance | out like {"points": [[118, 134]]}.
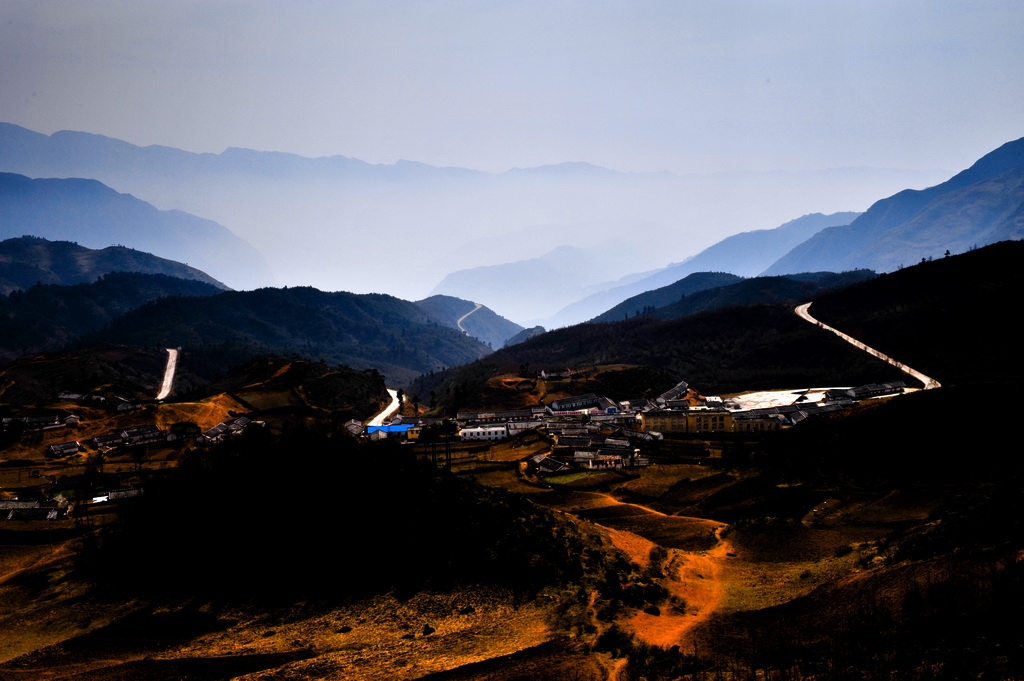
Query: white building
{"points": [[485, 433]]}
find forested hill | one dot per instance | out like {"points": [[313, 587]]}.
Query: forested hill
{"points": [[647, 301], [378, 331], [47, 317]]}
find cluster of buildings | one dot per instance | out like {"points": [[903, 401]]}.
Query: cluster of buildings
{"points": [[225, 429], [592, 432], [40, 423], [24, 509]]}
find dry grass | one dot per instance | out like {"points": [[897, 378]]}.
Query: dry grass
{"points": [[378, 638], [654, 481]]}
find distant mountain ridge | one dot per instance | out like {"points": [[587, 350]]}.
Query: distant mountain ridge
{"points": [[558, 276], [94, 215], [745, 254], [316, 219], [29, 260], [980, 205]]}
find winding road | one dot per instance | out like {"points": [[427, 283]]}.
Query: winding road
{"points": [[378, 420], [461, 319], [929, 383], [172, 366]]}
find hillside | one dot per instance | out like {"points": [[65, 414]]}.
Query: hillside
{"points": [[481, 323], [92, 214], [525, 334], [47, 317], [747, 348], [645, 302], [981, 205], [950, 316], [956, 306], [30, 260], [378, 331]]}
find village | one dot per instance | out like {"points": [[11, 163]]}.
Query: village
{"points": [[590, 432], [576, 434]]}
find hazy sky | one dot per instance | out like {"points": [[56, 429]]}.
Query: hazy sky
{"points": [[676, 85]]}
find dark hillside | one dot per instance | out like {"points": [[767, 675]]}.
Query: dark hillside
{"points": [[723, 351], [771, 290], [340, 391], [362, 331], [666, 295], [929, 597], [132, 373], [47, 317], [952, 318], [275, 518]]}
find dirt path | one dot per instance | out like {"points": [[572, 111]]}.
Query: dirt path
{"points": [[695, 577]]}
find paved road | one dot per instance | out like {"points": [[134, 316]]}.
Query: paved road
{"points": [[172, 366], [378, 420], [463, 318], [929, 383]]}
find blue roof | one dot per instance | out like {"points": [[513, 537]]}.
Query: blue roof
{"points": [[400, 428]]}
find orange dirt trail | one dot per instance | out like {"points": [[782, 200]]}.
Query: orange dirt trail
{"points": [[693, 576]]}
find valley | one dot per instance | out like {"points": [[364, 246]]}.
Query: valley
{"points": [[703, 481], [656, 553]]}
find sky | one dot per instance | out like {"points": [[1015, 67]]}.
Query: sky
{"points": [[684, 86]]}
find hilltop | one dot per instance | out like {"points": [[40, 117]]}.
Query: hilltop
{"points": [[474, 320], [30, 260]]}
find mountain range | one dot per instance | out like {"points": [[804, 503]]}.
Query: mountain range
{"points": [[339, 223], [92, 214], [979, 206], [983, 204]]}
